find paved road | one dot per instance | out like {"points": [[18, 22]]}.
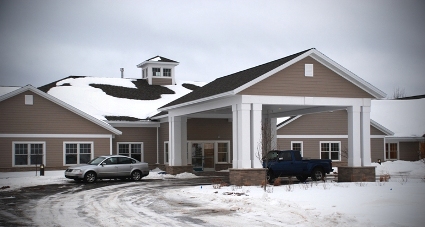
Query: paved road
{"points": [[78, 204]]}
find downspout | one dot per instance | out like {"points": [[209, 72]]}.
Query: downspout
{"points": [[110, 144]]}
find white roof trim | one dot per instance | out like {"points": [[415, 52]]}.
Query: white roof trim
{"points": [[156, 63], [318, 56], [133, 124], [381, 128], [197, 101], [289, 121], [62, 104]]}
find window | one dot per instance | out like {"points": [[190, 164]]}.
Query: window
{"points": [[166, 155], [133, 150], [222, 152], [167, 72], [29, 100], [330, 150], [297, 146], [78, 152], [309, 70], [391, 150], [156, 71], [28, 153]]}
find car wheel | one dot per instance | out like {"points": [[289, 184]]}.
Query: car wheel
{"points": [[136, 175], [302, 178], [90, 177], [317, 174], [270, 176]]}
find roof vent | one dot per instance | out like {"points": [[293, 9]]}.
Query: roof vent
{"points": [[122, 72]]}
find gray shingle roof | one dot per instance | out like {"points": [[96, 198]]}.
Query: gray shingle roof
{"points": [[232, 81]]}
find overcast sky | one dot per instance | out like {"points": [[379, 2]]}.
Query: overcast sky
{"points": [[382, 42]]}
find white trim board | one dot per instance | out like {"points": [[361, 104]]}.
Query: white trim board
{"points": [[56, 136], [322, 136]]}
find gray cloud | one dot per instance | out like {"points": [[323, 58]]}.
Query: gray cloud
{"points": [[43, 41]]}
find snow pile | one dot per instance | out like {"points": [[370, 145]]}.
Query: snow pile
{"points": [[16, 180], [413, 169]]}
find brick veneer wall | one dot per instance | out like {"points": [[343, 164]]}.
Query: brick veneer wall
{"points": [[247, 177], [356, 174], [173, 170]]}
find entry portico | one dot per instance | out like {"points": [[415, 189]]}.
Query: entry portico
{"points": [[304, 83]]}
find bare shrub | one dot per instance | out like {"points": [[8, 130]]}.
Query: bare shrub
{"points": [[384, 177], [290, 185], [362, 181], [326, 186]]}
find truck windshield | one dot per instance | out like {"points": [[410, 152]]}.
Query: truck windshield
{"points": [[96, 161], [272, 155]]}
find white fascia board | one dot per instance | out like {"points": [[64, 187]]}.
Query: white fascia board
{"points": [[64, 105], [55, 135], [381, 128], [215, 116], [160, 117], [266, 75], [348, 75], [197, 101], [289, 121], [312, 136], [133, 124], [205, 106], [311, 110], [404, 139], [156, 63], [300, 100]]}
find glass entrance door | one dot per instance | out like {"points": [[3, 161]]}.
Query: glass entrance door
{"points": [[203, 156]]}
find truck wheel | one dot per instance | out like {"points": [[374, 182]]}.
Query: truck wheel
{"points": [[317, 174], [270, 176], [302, 178]]}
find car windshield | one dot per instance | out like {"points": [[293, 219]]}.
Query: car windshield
{"points": [[96, 161]]}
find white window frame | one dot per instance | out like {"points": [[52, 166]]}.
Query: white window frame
{"points": [[163, 72], [385, 150], [78, 150], [129, 152], [302, 146], [29, 152], [216, 152], [160, 72], [330, 148], [166, 152]]}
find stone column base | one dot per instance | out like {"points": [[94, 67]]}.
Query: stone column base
{"points": [[356, 174], [247, 177], [173, 170]]}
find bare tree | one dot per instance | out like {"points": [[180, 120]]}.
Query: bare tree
{"points": [[265, 145], [398, 93]]}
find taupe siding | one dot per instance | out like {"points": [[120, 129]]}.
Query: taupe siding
{"points": [[54, 149], [209, 129], [44, 117], [311, 147], [327, 123], [147, 135], [292, 82], [377, 149], [408, 151], [162, 81]]}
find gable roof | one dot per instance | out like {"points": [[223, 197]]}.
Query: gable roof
{"points": [[236, 82], [158, 59], [62, 104]]}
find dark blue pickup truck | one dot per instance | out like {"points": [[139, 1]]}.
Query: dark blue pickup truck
{"points": [[290, 163]]}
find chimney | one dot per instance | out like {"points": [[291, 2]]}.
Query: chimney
{"points": [[122, 72]]}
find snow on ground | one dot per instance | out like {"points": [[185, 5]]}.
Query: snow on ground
{"points": [[399, 202]]}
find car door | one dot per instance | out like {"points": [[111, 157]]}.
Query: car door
{"points": [[285, 163], [108, 168], [124, 166]]}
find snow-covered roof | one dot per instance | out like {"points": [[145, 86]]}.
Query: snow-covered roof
{"points": [[117, 97], [405, 118]]}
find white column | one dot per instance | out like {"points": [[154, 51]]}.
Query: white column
{"points": [[175, 141], [244, 136], [256, 116], [365, 136], [354, 156], [183, 134], [235, 136]]}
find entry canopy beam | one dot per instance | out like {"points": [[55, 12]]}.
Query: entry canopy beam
{"points": [[304, 111]]}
